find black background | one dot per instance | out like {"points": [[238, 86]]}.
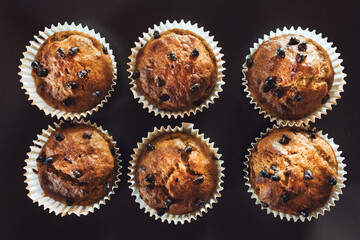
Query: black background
{"points": [[231, 122]]}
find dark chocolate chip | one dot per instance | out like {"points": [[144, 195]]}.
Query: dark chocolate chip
{"points": [[281, 52], [75, 174], [305, 212], [168, 203], [105, 50], [197, 103], [67, 160], [41, 158], [269, 84], [284, 198], [49, 160], [61, 52], [87, 135], [149, 178], [35, 171], [150, 147], [302, 46], [273, 167], [188, 149], [73, 51], [142, 169], [325, 99], [249, 62], [195, 87], [83, 73], [279, 91], [199, 179], [293, 41], [161, 211], [35, 65], [275, 177], [195, 53], [72, 85], [308, 174], [300, 57], [332, 181], [285, 139], [264, 204], [172, 56], [159, 82], [59, 137], [43, 72], [264, 174], [156, 35], [297, 97], [67, 102], [164, 97], [69, 201], [135, 75], [96, 94], [176, 180]]}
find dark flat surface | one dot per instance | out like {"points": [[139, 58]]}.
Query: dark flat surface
{"points": [[231, 123]]}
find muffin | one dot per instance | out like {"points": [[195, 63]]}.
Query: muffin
{"points": [[289, 76], [176, 174], [293, 171], [76, 165], [176, 70], [72, 71]]}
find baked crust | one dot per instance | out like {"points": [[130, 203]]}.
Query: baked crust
{"points": [[83, 169], [187, 81], [311, 78], [55, 88], [184, 178], [302, 191]]}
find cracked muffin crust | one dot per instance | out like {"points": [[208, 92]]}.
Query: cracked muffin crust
{"points": [[293, 171], [290, 76], [175, 70], [176, 173], [76, 165], [72, 71]]}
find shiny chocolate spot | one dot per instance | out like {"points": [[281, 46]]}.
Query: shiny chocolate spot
{"points": [[308, 174], [87, 135], [73, 51], [160, 82], [168, 203], [300, 57], [105, 50], [35, 65], [67, 102], [275, 177], [72, 85], [150, 178], [279, 91], [332, 181], [150, 147], [285, 139], [75, 174], [293, 41], [164, 97], [59, 137], [96, 94], [195, 87], [195, 53], [304, 212], [199, 179], [249, 62], [188, 149], [61, 52], [41, 158], [49, 160], [269, 84], [83, 73], [43, 72], [281, 52], [161, 211], [264, 174], [284, 197], [199, 202], [156, 35], [297, 97], [135, 75], [302, 46], [172, 56]]}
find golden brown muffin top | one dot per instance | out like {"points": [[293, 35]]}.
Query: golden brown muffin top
{"points": [[76, 165], [293, 171], [290, 76], [175, 70], [72, 71], [176, 173]]}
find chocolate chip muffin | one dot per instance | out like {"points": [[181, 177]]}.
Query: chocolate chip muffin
{"points": [[72, 71], [176, 174], [175, 70], [76, 165], [293, 171], [289, 76]]}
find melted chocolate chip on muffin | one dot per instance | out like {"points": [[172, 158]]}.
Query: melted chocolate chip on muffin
{"points": [[301, 67], [68, 68], [185, 64], [293, 178], [77, 169], [172, 178]]}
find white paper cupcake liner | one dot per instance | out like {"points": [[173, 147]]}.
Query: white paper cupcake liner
{"points": [[28, 81], [186, 128], [37, 194], [334, 93], [320, 211], [219, 64]]}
